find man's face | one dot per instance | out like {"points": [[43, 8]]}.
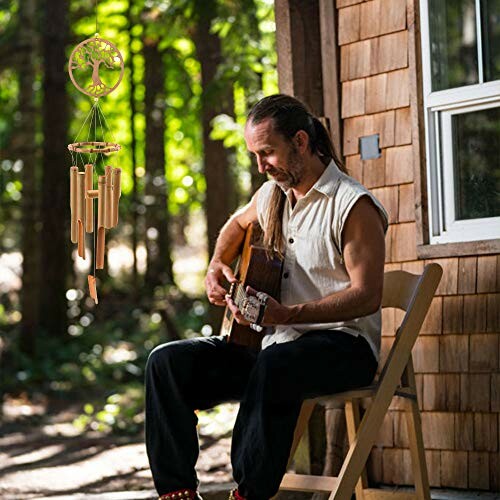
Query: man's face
{"points": [[275, 155]]}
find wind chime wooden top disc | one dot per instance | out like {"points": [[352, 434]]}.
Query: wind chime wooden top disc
{"points": [[96, 68], [104, 59]]}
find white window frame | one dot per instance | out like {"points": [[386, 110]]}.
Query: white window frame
{"points": [[439, 108]]}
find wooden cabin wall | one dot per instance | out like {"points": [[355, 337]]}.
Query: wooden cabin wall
{"points": [[457, 354]]}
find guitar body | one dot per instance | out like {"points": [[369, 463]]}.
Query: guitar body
{"points": [[262, 273]]}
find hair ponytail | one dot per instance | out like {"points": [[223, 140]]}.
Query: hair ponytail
{"points": [[273, 232], [322, 145]]}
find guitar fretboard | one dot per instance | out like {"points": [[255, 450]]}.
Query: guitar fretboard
{"points": [[238, 293]]}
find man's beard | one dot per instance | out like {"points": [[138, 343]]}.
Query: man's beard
{"points": [[293, 175]]}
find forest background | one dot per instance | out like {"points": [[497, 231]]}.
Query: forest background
{"points": [[193, 69]]}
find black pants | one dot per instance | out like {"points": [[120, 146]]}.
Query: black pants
{"points": [[271, 384]]}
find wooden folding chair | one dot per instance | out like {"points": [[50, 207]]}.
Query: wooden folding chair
{"points": [[413, 294]]}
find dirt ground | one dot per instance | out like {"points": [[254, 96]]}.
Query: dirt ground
{"points": [[45, 456]]}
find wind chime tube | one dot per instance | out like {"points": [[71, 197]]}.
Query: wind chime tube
{"points": [[100, 223], [117, 192], [101, 184], [92, 288], [81, 213], [73, 174], [89, 205], [108, 200]]}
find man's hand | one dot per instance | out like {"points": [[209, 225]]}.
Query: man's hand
{"points": [[216, 273], [227, 248], [275, 313]]}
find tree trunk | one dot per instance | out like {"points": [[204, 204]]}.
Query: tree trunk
{"points": [[25, 148], [252, 93], [133, 145], [220, 190], [159, 262], [55, 177]]}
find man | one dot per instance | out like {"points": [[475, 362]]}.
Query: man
{"points": [[326, 335]]}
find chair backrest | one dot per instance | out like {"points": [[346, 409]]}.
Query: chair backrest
{"points": [[399, 288], [413, 294]]}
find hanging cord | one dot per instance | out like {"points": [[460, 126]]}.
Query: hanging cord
{"points": [[102, 126], [88, 136], [105, 122], [96, 18], [75, 155], [94, 174]]}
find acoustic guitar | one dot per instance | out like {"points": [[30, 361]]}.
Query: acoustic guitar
{"points": [[261, 271]]}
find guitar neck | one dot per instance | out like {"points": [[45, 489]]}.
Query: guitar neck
{"points": [[238, 294]]}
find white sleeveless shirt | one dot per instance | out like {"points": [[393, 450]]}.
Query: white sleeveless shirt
{"points": [[313, 266]]}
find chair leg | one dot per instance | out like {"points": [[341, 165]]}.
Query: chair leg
{"points": [[417, 451], [352, 422], [359, 451], [300, 427]]}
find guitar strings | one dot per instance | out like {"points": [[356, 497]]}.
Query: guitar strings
{"points": [[240, 295]]}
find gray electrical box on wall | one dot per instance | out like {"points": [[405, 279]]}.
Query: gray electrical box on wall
{"points": [[369, 147]]}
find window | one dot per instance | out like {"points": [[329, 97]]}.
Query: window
{"points": [[461, 80]]}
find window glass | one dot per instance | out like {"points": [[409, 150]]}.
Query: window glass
{"points": [[490, 25], [453, 43], [476, 140]]}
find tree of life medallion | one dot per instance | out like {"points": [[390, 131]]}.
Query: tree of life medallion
{"points": [[96, 67]]}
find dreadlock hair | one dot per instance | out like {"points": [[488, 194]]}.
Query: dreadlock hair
{"points": [[289, 115]]}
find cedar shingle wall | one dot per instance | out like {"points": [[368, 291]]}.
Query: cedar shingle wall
{"points": [[457, 354]]}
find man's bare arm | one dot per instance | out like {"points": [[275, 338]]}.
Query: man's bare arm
{"points": [[364, 256], [227, 249]]}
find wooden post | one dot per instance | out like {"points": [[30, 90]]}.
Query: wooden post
{"points": [[73, 190], [100, 223], [299, 51], [417, 122], [117, 192], [330, 57], [108, 199], [89, 204]]}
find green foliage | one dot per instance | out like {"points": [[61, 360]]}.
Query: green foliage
{"points": [[250, 60], [100, 361], [247, 34], [8, 103], [122, 412], [218, 421], [102, 357], [10, 213], [10, 186]]}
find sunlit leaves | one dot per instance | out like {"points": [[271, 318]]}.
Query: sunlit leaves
{"points": [[111, 355], [9, 89]]}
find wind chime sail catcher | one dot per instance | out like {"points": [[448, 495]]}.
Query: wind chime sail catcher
{"points": [[96, 69]]}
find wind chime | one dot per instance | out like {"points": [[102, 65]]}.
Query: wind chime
{"points": [[96, 69]]}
